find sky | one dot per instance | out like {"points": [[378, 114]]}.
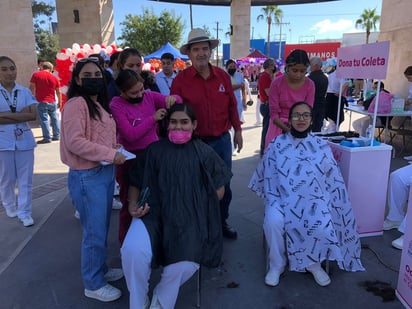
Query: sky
{"points": [[304, 23]]}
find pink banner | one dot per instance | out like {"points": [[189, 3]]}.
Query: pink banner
{"points": [[404, 288], [363, 61]]}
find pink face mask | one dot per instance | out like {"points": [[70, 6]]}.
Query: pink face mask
{"points": [[179, 136]]}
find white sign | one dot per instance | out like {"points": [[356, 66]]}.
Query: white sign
{"points": [[363, 61]]}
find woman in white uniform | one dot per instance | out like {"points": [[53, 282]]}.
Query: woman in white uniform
{"points": [[17, 107]]}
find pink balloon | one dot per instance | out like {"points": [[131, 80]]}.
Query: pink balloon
{"points": [[68, 52], [61, 56], [75, 48], [97, 48]]}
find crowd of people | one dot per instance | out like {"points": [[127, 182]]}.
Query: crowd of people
{"points": [[168, 141]]}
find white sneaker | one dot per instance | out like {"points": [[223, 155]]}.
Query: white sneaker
{"points": [[28, 221], [77, 215], [106, 293], [116, 204], [398, 243], [113, 274], [408, 158], [389, 224], [320, 276], [272, 277], [11, 213]]}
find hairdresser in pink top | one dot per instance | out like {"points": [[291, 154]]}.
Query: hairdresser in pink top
{"points": [[137, 113], [286, 90]]}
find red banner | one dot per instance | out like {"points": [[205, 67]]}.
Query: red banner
{"points": [[323, 50]]}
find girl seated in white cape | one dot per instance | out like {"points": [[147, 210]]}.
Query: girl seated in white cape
{"points": [[308, 215]]}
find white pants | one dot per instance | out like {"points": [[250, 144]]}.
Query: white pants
{"points": [[16, 168], [398, 193], [232, 136], [258, 115], [136, 261], [273, 226]]}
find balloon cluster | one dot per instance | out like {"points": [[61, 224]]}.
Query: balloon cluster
{"points": [[156, 64], [67, 57], [329, 64]]}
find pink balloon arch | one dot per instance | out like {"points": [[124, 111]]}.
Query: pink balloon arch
{"points": [[67, 57]]}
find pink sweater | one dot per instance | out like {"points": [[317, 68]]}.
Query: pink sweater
{"points": [[84, 141], [136, 127]]}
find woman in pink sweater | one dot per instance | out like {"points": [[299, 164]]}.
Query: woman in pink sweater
{"points": [[286, 90], [137, 113], [88, 146]]}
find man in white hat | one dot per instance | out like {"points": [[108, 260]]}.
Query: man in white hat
{"points": [[209, 91]]}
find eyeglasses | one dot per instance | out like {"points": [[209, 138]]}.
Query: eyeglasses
{"points": [[89, 59], [304, 116]]}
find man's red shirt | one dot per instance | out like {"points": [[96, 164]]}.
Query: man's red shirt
{"points": [[46, 84], [264, 82], [212, 100]]}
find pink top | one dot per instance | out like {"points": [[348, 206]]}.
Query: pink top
{"points": [[136, 127], [281, 99], [84, 141]]}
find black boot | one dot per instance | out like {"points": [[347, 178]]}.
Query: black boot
{"points": [[228, 231]]}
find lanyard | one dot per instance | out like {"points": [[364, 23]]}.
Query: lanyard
{"points": [[6, 97], [167, 82]]}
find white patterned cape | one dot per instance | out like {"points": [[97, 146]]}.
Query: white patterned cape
{"points": [[302, 180]]}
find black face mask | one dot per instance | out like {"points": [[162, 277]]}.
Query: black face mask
{"points": [[135, 100], [274, 71], [298, 134], [92, 86], [231, 71]]}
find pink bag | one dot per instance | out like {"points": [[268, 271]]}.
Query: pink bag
{"points": [[385, 103]]}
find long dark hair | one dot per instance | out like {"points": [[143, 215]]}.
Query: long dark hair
{"points": [[127, 79], [187, 109], [77, 91], [4, 58], [126, 53]]}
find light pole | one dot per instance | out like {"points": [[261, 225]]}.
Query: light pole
{"points": [[280, 35]]}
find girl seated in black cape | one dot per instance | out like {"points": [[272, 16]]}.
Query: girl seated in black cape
{"points": [[179, 227]]}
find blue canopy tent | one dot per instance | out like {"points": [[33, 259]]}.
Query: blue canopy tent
{"points": [[167, 48]]}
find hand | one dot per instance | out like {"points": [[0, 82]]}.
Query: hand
{"points": [[138, 212], [160, 114], [244, 104], [170, 101], [119, 158], [238, 141]]}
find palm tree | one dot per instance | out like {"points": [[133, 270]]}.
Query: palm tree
{"points": [[270, 13], [368, 21]]}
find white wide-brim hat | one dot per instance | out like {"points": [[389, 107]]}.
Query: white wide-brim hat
{"points": [[198, 35]]}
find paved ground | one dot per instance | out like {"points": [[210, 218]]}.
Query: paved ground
{"points": [[40, 265]]}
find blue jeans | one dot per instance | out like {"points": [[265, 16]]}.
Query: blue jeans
{"points": [[92, 194], [223, 147], [45, 110]]}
